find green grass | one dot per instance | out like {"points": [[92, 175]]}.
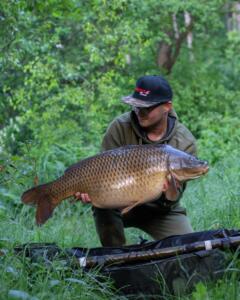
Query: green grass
{"points": [[212, 202]]}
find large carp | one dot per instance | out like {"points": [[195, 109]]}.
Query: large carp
{"points": [[119, 178]]}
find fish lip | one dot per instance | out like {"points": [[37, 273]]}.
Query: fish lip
{"points": [[205, 168]]}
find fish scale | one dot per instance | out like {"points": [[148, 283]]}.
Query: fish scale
{"points": [[118, 178]]}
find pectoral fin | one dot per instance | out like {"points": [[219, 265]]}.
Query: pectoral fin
{"points": [[44, 211], [173, 187], [128, 208]]}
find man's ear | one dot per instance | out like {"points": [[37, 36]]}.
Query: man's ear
{"points": [[168, 106]]}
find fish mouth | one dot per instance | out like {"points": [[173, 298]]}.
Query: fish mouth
{"points": [[202, 169], [205, 169], [191, 173]]}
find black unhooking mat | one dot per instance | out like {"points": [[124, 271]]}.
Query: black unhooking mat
{"points": [[174, 264]]}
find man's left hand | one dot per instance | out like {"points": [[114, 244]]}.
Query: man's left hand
{"points": [[172, 188]]}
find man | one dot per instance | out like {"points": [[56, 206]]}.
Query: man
{"points": [[151, 121]]}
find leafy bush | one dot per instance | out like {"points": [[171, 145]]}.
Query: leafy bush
{"points": [[220, 137]]}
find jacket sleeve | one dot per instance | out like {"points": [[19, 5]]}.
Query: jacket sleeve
{"points": [[185, 140], [191, 147]]}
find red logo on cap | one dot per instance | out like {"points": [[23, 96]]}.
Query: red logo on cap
{"points": [[142, 92]]}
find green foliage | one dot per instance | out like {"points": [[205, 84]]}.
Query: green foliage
{"points": [[73, 61], [230, 71], [213, 201], [201, 96], [64, 67], [219, 137], [201, 292], [54, 280]]}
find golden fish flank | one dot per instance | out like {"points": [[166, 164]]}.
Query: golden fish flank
{"points": [[119, 178]]}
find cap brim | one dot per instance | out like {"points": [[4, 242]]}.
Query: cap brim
{"points": [[137, 102]]}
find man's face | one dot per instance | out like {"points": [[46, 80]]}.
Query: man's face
{"points": [[152, 116]]}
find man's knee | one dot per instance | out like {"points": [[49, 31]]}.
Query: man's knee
{"points": [[177, 224]]}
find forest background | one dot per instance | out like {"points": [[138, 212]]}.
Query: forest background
{"points": [[64, 67]]}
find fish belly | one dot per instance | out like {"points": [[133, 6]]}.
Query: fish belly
{"points": [[126, 191]]}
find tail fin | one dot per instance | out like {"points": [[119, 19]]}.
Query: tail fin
{"points": [[41, 197]]}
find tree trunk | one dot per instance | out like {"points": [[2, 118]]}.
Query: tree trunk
{"points": [[236, 16], [187, 18], [169, 52], [233, 16]]}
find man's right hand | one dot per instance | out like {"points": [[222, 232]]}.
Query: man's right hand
{"points": [[83, 197]]}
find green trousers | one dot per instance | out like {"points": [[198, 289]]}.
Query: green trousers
{"points": [[156, 220]]}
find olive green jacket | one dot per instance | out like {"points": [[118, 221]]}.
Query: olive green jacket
{"points": [[125, 130]]}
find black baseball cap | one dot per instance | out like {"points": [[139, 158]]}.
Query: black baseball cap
{"points": [[150, 90]]}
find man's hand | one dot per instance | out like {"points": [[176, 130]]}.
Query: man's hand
{"points": [[83, 197], [172, 188]]}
